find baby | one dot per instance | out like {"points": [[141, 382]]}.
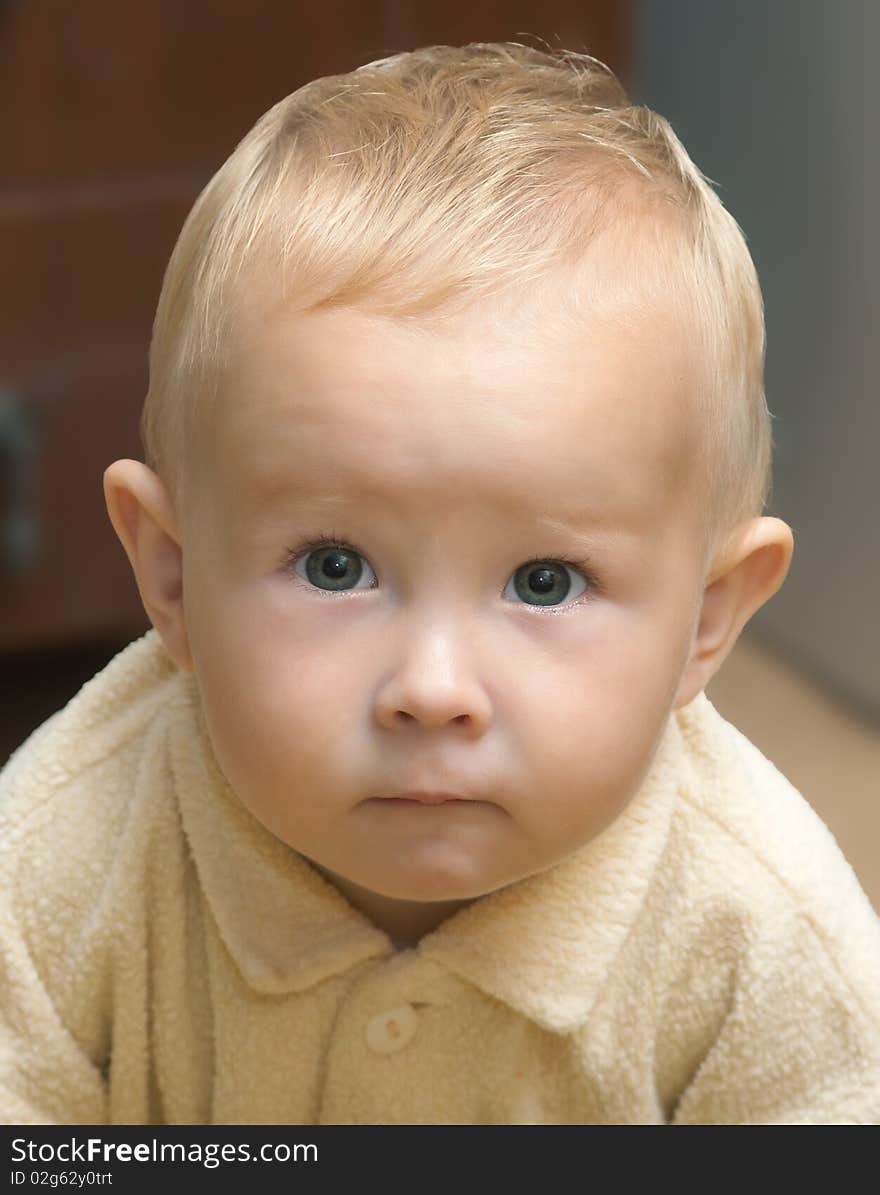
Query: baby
{"points": [[411, 807]]}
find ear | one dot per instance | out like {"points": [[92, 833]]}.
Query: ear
{"points": [[143, 517], [746, 573]]}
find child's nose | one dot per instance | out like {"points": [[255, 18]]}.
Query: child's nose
{"points": [[435, 682]]}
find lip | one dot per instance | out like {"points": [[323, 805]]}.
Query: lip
{"points": [[425, 798]]}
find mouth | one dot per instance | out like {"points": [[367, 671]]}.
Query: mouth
{"points": [[425, 798]]}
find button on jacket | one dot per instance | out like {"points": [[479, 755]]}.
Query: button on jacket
{"points": [[164, 959]]}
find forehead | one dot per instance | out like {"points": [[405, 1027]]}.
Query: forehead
{"points": [[511, 402]]}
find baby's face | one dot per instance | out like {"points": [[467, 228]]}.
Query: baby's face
{"points": [[500, 605]]}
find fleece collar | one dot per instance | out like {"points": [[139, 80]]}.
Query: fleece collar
{"points": [[544, 946]]}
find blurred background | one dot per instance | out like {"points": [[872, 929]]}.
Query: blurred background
{"points": [[114, 116]]}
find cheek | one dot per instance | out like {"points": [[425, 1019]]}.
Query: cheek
{"points": [[278, 710], [273, 734], [257, 664], [275, 708], [594, 723]]}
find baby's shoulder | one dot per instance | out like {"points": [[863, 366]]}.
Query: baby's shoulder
{"points": [[738, 807], [754, 855], [66, 793]]}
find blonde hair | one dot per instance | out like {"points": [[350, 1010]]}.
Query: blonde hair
{"points": [[428, 180]]}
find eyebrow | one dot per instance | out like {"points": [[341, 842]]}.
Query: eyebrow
{"points": [[591, 535], [585, 530]]}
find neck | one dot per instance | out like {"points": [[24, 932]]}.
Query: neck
{"points": [[404, 921]]}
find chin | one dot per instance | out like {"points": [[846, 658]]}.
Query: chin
{"points": [[432, 885], [446, 888]]}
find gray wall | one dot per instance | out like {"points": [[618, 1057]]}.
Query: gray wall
{"points": [[777, 102]]}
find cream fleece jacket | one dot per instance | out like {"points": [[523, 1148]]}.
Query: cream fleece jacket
{"points": [[709, 958]]}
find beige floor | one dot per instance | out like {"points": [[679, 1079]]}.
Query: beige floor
{"points": [[828, 751]]}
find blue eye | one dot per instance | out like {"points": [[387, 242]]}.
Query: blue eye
{"points": [[332, 567], [545, 582]]}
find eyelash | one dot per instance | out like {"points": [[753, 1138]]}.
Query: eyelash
{"points": [[330, 539]]}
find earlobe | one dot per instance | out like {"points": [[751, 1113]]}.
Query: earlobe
{"points": [[143, 517], [749, 570]]}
